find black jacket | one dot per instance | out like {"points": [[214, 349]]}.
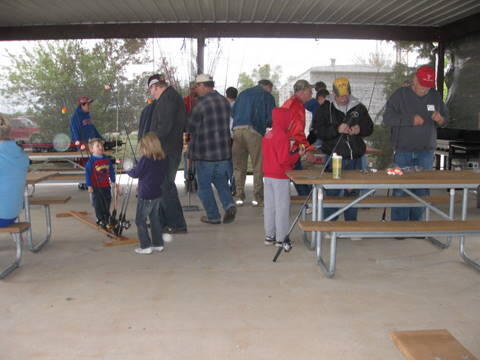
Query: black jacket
{"points": [[328, 118], [167, 118]]}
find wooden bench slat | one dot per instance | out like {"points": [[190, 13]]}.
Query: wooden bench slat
{"points": [[49, 200], [430, 344], [15, 228], [389, 226], [436, 199]]}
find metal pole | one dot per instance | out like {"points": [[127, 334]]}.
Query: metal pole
{"points": [[200, 54], [440, 67]]}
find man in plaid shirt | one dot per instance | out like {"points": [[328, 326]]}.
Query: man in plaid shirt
{"points": [[210, 149]]}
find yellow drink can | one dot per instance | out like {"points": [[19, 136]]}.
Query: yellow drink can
{"points": [[336, 166]]}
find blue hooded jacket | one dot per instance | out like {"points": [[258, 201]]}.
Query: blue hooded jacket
{"points": [[253, 107], [13, 172], [81, 127]]}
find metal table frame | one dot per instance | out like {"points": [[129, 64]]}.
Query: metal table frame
{"points": [[32, 179]]}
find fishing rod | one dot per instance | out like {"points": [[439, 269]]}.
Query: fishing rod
{"points": [[122, 223]]}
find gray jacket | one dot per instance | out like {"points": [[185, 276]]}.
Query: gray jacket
{"points": [[401, 108]]}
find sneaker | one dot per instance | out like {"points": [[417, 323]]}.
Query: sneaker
{"points": [[278, 243], [239, 202], [157, 248], [145, 251], [256, 203], [172, 230], [308, 211], [269, 240], [206, 220], [229, 215]]}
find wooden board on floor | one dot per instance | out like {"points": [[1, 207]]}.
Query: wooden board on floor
{"points": [[430, 344], [116, 240], [62, 215]]}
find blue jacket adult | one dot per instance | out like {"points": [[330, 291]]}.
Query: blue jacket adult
{"points": [[13, 173], [253, 107], [312, 105], [81, 126]]}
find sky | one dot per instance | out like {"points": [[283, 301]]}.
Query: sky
{"points": [[230, 57]]}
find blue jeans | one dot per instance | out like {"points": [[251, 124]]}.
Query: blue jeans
{"points": [[410, 159], [218, 174], [350, 214], [6, 222], [302, 190], [149, 209]]}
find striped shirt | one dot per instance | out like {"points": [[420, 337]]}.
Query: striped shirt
{"points": [[209, 126]]}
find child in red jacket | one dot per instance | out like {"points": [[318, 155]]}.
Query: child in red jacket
{"points": [[279, 156]]}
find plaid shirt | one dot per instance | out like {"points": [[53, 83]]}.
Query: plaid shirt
{"points": [[209, 126]]}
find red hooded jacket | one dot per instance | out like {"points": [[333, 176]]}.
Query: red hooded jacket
{"points": [[297, 130], [277, 157]]}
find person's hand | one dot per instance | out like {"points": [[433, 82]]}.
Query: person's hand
{"points": [[438, 118], [310, 157], [418, 120], [344, 128], [301, 150], [90, 189], [355, 130]]}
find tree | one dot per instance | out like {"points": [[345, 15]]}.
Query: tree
{"points": [[53, 75], [265, 71]]}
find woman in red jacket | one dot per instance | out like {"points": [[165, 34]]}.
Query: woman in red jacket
{"points": [[278, 158]]}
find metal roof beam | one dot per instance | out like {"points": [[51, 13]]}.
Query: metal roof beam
{"points": [[461, 28], [146, 30]]}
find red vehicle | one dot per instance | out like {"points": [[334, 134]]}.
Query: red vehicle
{"points": [[26, 130]]}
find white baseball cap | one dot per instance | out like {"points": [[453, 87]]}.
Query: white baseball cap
{"points": [[201, 78]]}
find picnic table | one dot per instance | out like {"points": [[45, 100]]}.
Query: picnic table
{"points": [[370, 182]]}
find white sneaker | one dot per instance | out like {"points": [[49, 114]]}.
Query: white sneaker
{"points": [[157, 248], [145, 251], [239, 202]]}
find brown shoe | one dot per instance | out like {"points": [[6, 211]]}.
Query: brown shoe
{"points": [[229, 215]]}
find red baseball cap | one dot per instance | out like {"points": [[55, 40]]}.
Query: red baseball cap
{"points": [[426, 76], [82, 100]]}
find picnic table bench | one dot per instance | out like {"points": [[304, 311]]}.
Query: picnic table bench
{"points": [[15, 230], [388, 229]]}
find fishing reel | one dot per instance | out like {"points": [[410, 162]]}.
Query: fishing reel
{"points": [[121, 225], [125, 224], [287, 245]]}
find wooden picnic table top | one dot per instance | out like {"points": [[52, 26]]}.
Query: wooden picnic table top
{"points": [[66, 154], [36, 177], [351, 177]]}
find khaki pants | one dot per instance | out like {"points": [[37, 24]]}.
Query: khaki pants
{"points": [[247, 141]]}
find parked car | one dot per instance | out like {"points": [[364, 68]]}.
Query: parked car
{"points": [[25, 130]]}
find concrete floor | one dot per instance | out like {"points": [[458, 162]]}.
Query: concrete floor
{"points": [[215, 294]]}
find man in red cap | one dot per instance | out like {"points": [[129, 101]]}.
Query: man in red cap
{"points": [[81, 126], [413, 113]]}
